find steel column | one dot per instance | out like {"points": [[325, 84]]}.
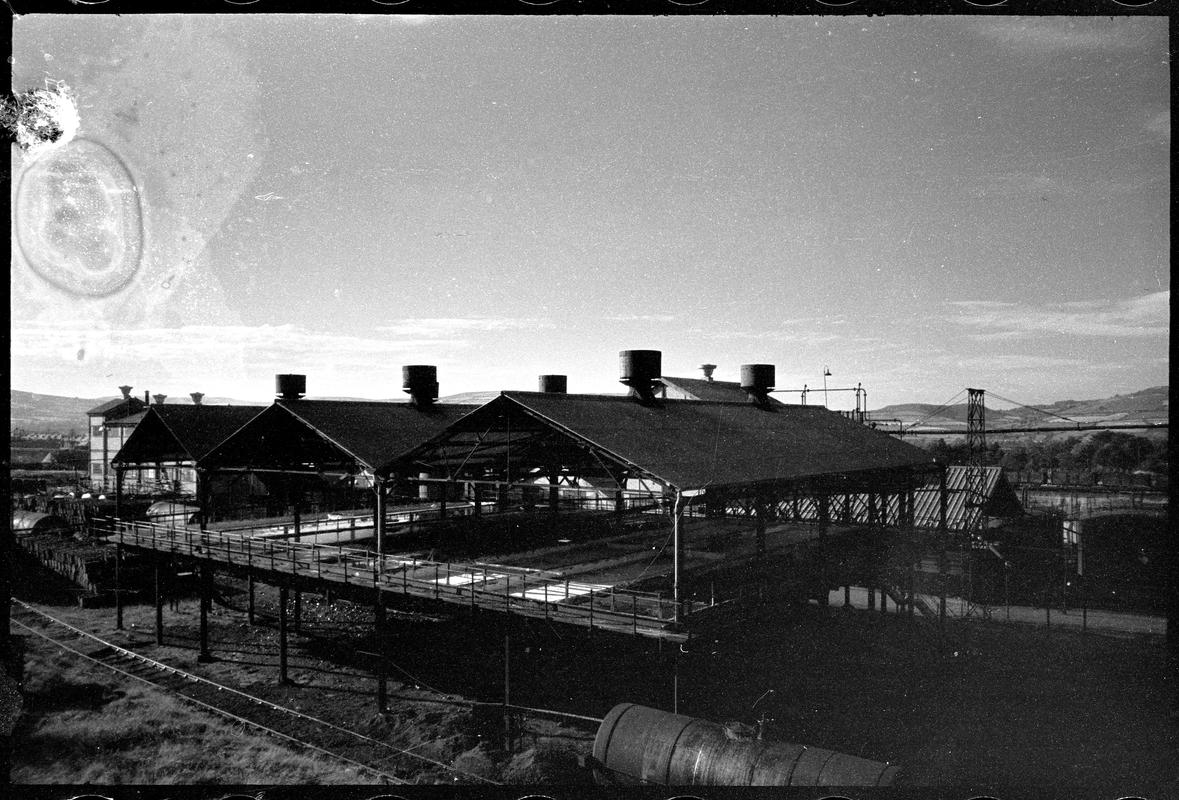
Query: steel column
{"points": [[677, 547], [250, 600]]}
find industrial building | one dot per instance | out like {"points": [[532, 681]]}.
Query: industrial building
{"points": [[110, 424]]}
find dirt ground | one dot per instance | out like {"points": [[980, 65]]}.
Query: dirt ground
{"points": [[985, 706]]}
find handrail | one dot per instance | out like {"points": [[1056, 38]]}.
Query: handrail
{"points": [[329, 561]]}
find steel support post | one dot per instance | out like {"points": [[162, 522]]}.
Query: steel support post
{"points": [[118, 588], [159, 604], [477, 497], [298, 611], [871, 598], [283, 593], [379, 525], [250, 598], [206, 581], [118, 494]]}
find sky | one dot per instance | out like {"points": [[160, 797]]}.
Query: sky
{"points": [[915, 204]]}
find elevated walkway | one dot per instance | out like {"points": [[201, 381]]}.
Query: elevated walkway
{"points": [[540, 593]]}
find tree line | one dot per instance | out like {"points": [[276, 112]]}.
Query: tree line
{"points": [[1104, 451]]}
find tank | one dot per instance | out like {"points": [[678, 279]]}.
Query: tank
{"points": [[757, 378], [290, 387], [165, 512], [637, 744], [639, 365], [554, 384], [25, 523], [420, 382]]}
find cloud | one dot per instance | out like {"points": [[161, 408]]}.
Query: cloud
{"points": [[1160, 124], [1061, 33], [430, 327], [1138, 317]]}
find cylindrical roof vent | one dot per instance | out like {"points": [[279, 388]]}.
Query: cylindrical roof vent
{"points": [[159, 398], [126, 390], [196, 397], [640, 370], [758, 380], [554, 384], [420, 382], [289, 386], [707, 369]]}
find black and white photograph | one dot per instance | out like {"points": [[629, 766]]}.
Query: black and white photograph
{"points": [[590, 404]]}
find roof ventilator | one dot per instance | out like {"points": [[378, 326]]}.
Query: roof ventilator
{"points": [[159, 398], [126, 390], [640, 370], [420, 382], [196, 397], [554, 384], [708, 369], [758, 381], [290, 387]]}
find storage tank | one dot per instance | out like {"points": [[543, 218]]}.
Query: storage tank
{"points": [[639, 744], [420, 382], [554, 384], [290, 387], [640, 370], [25, 523]]}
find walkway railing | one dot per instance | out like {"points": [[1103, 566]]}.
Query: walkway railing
{"points": [[510, 589]]}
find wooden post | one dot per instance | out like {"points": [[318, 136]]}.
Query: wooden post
{"points": [[507, 695], [159, 605], [283, 593], [118, 589], [298, 611], [206, 580], [677, 525], [847, 597], [871, 598], [379, 525], [382, 671], [250, 599]]}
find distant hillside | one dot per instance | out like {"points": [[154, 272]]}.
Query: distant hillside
{"points": [[48, 413], [1148, 405]]}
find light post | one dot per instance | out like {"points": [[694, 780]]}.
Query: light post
{"points": [[826, 372]]}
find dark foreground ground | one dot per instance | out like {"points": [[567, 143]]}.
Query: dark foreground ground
{"points": [[984, 706]]}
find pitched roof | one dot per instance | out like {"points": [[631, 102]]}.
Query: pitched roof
{"points": [[301, 431], [699, 389], [182, 432], [692, 444], [117, 408]]}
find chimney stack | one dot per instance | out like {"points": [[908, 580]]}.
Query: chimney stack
{"points": [[126, 390], [290, 386], [640, 370], [757, 380], [554, 384], [420, 382], [196, 397], [707, 369], [159, 398], [147, 397]]}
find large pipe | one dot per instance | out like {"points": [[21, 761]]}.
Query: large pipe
{"points": [[640, 744]]}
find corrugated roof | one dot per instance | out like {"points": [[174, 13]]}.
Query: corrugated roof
{"points": [[182, 432], [993, 496], [691, 443], [716, 391], [371, 432]]}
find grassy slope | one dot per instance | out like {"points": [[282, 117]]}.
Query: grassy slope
{"points": [[83, 724]]}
